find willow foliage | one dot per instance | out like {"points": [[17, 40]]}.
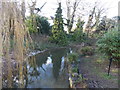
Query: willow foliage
{"points": [[13, 29]]}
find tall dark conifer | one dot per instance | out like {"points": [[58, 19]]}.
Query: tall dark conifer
{"points": [[58, 21], [58, 33]]}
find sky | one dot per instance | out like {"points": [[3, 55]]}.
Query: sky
{"points": [[51, 6], [111, 7]]}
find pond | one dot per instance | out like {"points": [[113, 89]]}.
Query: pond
{"points": [[48, 69]]}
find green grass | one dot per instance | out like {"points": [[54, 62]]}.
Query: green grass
{"points": [[99, 61], [115, 70], [95, 66], [105, 76], [118, 82]]}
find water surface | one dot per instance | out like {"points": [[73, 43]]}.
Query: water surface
{"points": [[48, 69]]}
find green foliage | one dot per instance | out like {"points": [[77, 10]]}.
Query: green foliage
{"points": [[74, 70], [106, 24], [109, 44], [38, 24], [72, 57], [58, 37], [87, 50], [80, 24], [58, 22], [105, 76], [78, 34], [99, 61], [80, 78], [43, 25], [31, 24], [58, 34]]}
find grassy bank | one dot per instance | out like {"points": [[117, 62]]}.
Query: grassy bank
{"points": [[42, 42], [95, 69]]}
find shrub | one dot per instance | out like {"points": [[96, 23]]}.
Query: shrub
{"points": [[87, 50], [38, 24], [109, 44], [78, 36], [59, 37], [43, 25], [74, 69], [72, 57], [31, 24]]}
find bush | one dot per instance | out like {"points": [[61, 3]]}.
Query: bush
{"points": [[31, 24], [38, 24], [59, 37], [87, 50], [72, 57], [109, 44], [78, 34], [74, 69], [43, 25]]}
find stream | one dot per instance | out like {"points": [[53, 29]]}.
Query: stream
{"points": [[48, 69]]}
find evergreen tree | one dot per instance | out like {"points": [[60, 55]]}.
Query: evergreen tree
{"points": [[58, 33], [58, 22], [78, 34]]}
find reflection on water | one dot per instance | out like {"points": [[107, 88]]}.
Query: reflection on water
{"points": [[48, 70]]}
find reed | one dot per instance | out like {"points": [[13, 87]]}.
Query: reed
{"points": [[0, 50], [12, 27]]}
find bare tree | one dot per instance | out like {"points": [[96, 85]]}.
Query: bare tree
{"points": [[10, 12], [90, 18], [1, 47], [98, 13], [95, 14], [39, 9], [119, 16], [71, 15], [23, 9], [32, 7]]}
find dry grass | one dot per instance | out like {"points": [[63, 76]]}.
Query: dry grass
{"points": [[13, 28], [0, 52]]}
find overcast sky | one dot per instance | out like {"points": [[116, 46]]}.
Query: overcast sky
{"points": [[51, 5], [49, 9]]}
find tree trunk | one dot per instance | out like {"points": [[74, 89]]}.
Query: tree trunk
{"points": [[88, 26], [110, 61]]}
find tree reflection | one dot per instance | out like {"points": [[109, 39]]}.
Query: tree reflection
{"points": [[56, 60]]}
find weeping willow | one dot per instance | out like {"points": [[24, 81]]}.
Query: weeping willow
{"points": [[0, 52], [14, 39]]}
